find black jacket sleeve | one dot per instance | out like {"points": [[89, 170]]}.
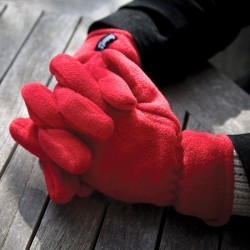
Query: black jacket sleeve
{"points": [[174, 36]]}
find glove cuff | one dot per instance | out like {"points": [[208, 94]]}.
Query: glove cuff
{"points": [[116, 39], [207, 183]]}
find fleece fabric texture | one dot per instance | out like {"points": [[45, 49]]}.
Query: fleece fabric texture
{"points": [[44, 116], [120, 136]]}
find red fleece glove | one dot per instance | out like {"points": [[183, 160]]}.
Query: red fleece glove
{"points": [[139, 154], [91, 60], [63, 185]]}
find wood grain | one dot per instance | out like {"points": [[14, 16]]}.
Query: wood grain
{"points": [[185, 232], [48, 39], [71, 226], [22, 194], [89, 9], [130, 227], [15, 26], [216, 101]]}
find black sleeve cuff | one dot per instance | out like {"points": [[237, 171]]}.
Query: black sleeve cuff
{"points": [[173, 37]]}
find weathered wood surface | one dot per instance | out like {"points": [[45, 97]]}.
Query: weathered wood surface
{"points": [[15, 27], [206, 101], [89, 9], [71, 226], [214, 100], [130, 227], [22, 197], [49, 37], [183, 232], [19, 185]]}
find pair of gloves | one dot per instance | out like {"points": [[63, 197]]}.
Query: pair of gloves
{"points": [[107, 127]]}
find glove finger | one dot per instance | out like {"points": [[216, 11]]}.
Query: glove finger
{"points": [[83, 115], [140, 84], [84, 190], [61, 185], [65, 149], [25, 132], [41, 105], [116, 92], [72, 74]]}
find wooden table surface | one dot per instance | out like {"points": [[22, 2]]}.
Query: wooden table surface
{"points": [[205, 100]]}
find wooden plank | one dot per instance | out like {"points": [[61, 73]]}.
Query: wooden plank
{"points": [[71, 226], [22, 194], [229, 110], [185, 232], [130, 227], [16, 23], [88, 8], [48, 39]]}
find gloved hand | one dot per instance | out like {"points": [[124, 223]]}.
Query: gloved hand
{"points": [[89, 55], [63, 185], [139, 154]]}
